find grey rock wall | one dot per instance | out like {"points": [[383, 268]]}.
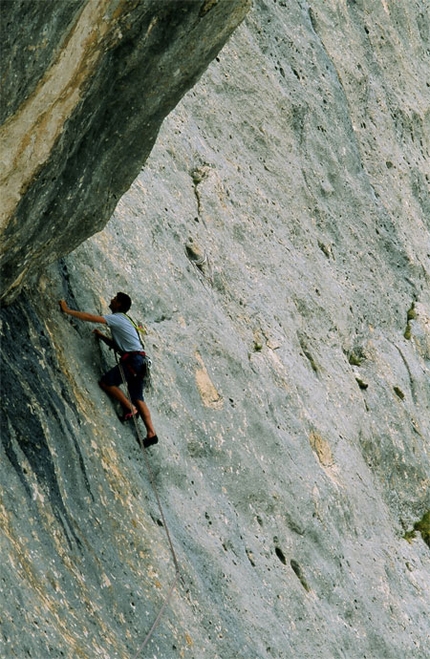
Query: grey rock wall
{"points": [[85, 87], [276, 245]]}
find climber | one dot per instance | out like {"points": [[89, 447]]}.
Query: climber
{"points": [[126, 341]]}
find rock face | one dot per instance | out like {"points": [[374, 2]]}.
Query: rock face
{"points": [[276, 245], [85, 87]]}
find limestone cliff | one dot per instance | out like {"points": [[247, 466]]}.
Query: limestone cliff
{"points": [[276, 244], [85, 87]]}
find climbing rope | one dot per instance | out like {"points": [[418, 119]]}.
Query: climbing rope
{"points": [[160, 508]]}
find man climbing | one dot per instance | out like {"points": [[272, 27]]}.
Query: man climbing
{"points": [[125, 339]]}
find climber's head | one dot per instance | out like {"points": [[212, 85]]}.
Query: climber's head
{"points": [[120, 303]]}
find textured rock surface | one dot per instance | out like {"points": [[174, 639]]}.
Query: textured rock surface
{"points": [[277, 246], [85, 87]]}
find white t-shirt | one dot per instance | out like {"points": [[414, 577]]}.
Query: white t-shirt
{"points": [[123, 333]]}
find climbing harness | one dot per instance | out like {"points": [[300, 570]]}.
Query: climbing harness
{"points": [[166, 528], [147, 363], [140, 329]]}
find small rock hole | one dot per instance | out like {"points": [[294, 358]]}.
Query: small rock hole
{"points": [[280, 555]]}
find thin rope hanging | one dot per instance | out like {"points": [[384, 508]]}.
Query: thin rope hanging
{"points": [[166, 528]]}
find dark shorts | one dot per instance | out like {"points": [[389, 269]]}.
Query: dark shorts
{"points": [[134, 372]]}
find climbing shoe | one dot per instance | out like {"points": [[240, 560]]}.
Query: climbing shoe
{"points": [[150, 441]]}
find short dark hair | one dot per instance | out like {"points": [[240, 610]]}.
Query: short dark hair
{"points": [[124, 300]]}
